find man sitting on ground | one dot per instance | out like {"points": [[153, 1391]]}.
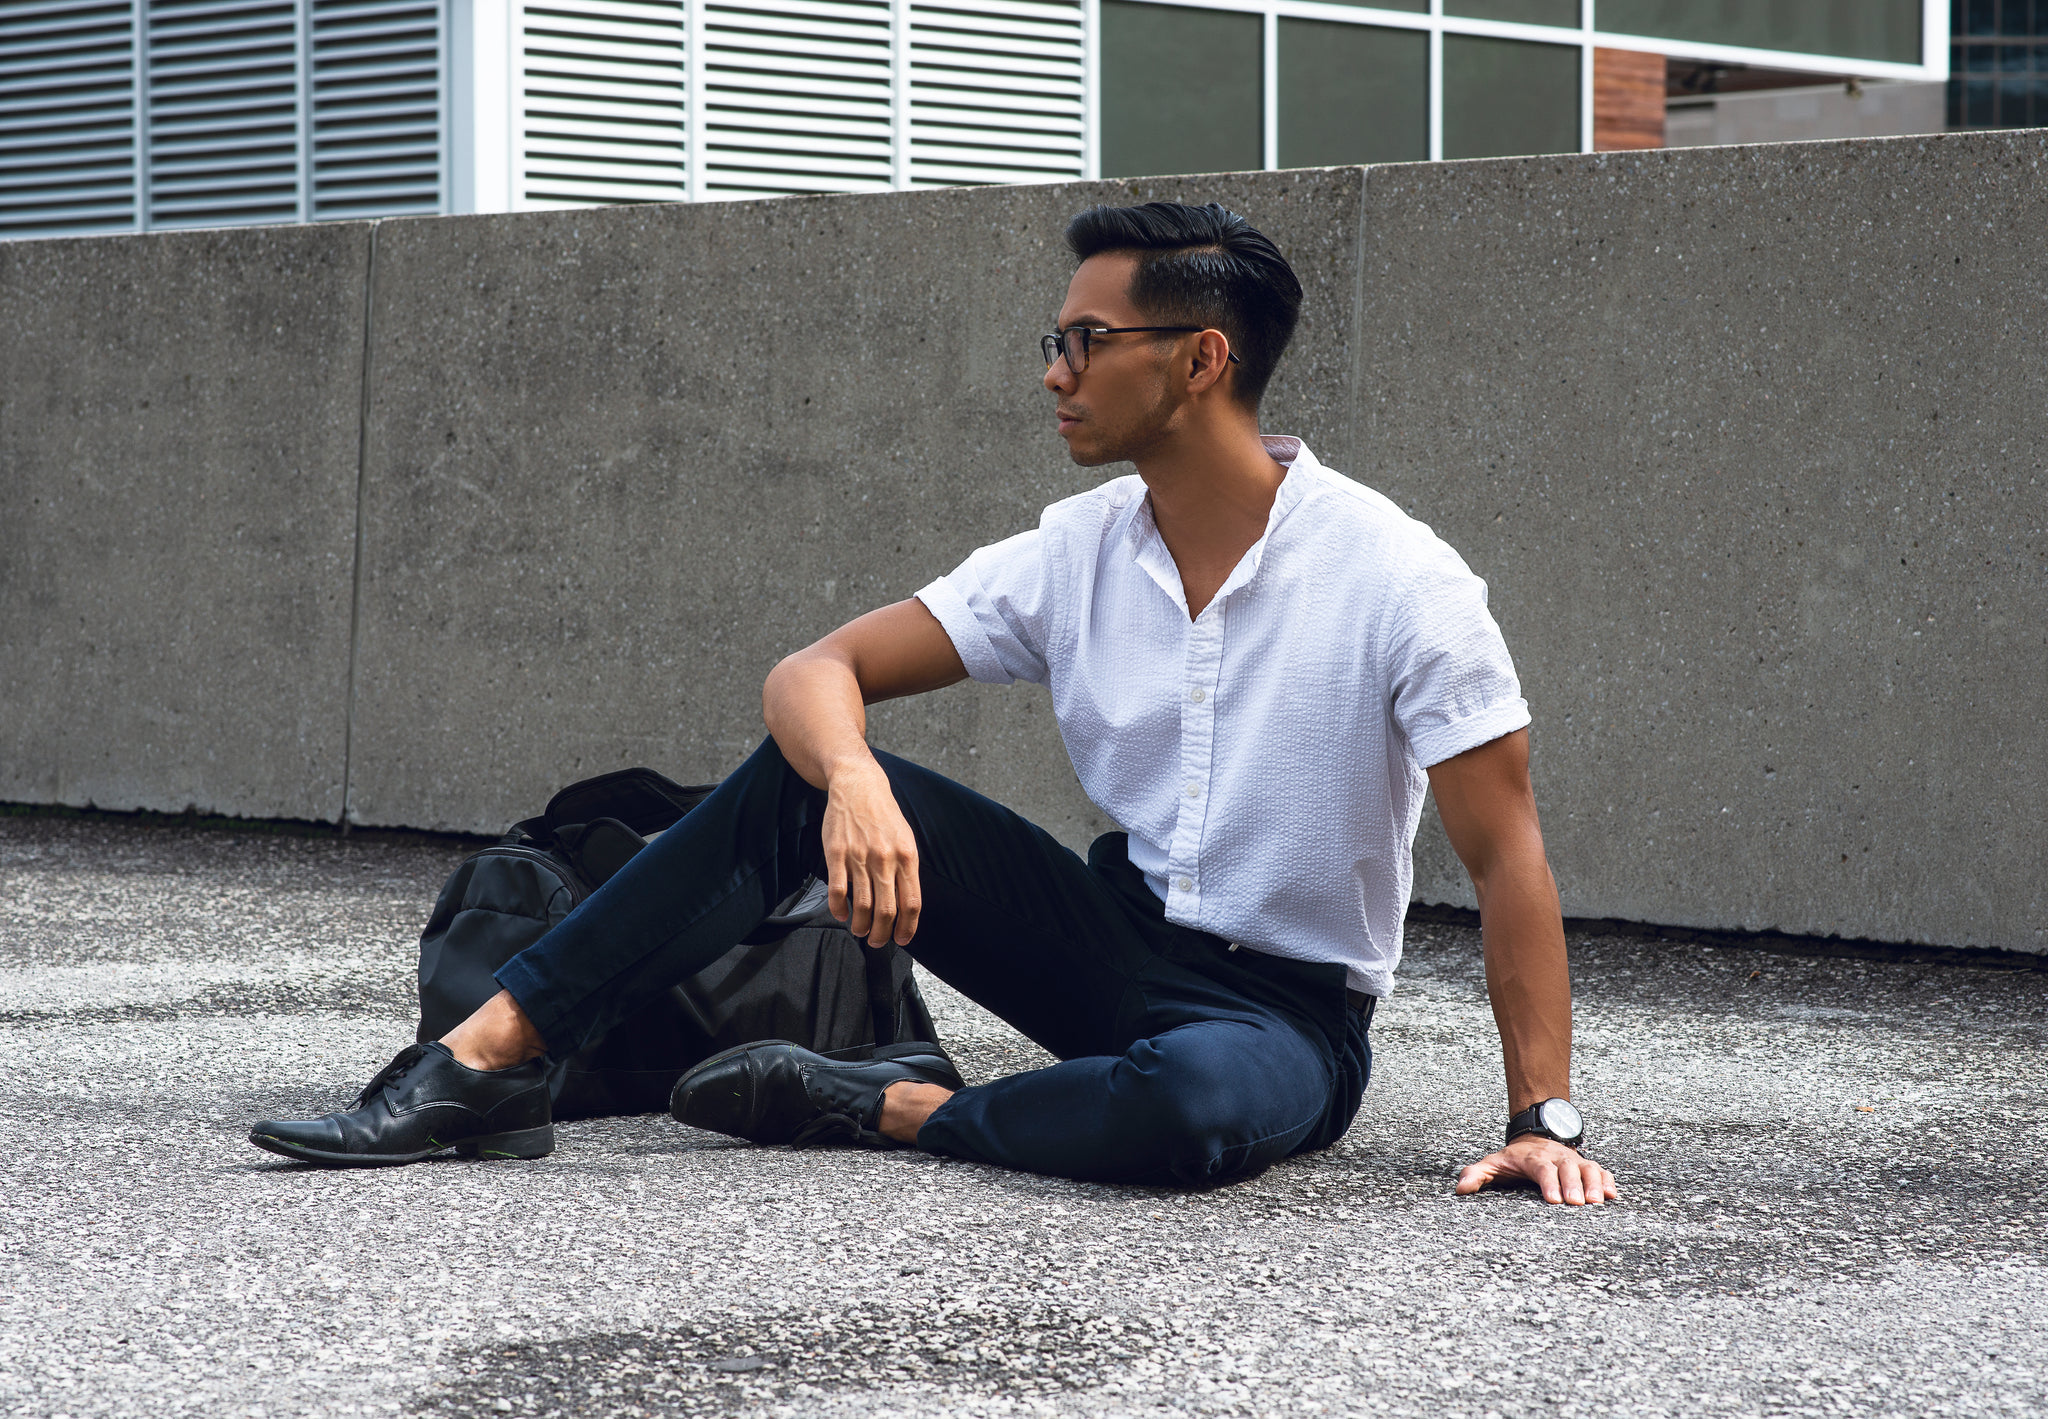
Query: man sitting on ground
{"points": [[1259, 667]]}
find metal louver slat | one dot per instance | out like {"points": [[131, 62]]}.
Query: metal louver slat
{"points": [[67, 117], [602, 111], [376, 107], [997, 92], [223, 112], [798, 97]]}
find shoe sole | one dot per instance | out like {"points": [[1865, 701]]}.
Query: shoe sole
{"points": [[910, 1050], [525, 1144]]}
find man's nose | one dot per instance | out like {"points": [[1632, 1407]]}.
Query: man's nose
{"points": [[1058, 378]]}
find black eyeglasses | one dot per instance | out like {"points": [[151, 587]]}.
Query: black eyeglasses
{"points": [[1072, 343]]}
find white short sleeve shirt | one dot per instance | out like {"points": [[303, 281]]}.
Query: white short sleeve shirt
{"points": [[1266, 757]]}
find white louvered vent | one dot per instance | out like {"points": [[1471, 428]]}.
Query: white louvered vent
{"points": [[376, 107], [997, 92], [67, 117], [223, 123], [797, 97], [602, 116]]}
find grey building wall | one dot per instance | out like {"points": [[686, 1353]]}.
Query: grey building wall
{"points": [[1749, 443], [1875, 109]]}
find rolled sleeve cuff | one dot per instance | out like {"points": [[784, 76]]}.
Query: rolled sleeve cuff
{"points": [[1450, 740], [963, 628]]}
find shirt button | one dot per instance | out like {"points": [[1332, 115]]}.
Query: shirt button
{"points": [[1186, 884], [1198, 694], [1194, 790]]}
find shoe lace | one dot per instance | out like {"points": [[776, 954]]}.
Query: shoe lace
{"points": [[408, 1059]]}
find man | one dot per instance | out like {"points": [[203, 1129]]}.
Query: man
{"points": [[1257, 666]]}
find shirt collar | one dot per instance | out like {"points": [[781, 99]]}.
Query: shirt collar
{"points": [[1148, 549]]}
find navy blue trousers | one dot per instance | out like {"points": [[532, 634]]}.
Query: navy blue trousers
{"points": [[1181, 1061]]}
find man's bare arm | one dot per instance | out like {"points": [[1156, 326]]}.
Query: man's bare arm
{"points": [[1489, 813], [815, 703]]}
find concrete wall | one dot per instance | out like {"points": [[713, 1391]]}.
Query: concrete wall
{"points": [[179, 434], [1749, 443]]}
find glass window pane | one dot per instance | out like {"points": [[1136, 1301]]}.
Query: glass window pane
{"points": [[1352, 94], [1977, 102], [1180, 90], [1521, 12], [1420, 7], [1504, 98], [1854, 29]]}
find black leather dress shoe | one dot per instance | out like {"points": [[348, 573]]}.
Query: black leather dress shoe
{"points": [[776, 1092], [422, 1103]]}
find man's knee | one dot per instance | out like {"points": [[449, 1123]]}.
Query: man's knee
{"points": [[1200, 1117]]}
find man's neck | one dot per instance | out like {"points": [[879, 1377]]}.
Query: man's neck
{"points": [[1211, 496]]}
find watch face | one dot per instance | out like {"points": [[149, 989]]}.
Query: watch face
{"points": [[1559, 1119]]}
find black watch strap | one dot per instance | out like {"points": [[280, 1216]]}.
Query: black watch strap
{"points": [[1554, 1119]]}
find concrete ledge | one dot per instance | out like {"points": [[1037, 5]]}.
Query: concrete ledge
{"points": [[1749, 443], [179, 434]]}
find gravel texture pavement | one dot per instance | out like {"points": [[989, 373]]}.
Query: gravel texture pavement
{"points": [[1833, 1198]]}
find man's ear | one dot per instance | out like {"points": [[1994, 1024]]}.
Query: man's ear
{"points": [[1210, 361]]}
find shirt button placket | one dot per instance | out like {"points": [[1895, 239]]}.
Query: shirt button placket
{"points": [[1202, 667]]}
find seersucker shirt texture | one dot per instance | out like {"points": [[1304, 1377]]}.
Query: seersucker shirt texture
{"points": [[1267, 756]]}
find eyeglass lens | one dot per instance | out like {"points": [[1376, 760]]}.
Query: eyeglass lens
{"points": [[1072, 343]]}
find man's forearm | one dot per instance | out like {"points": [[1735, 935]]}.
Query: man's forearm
{"points": [[1527, 978], [813, 707]]}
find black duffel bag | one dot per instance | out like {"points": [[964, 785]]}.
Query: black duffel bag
{"points": [[800, 976]]}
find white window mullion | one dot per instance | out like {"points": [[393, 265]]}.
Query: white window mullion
{"points": [[139, 97], [1436, 81], [693, 99], [1586, 76], [1091, 81], [899, 94], [303, 42]]}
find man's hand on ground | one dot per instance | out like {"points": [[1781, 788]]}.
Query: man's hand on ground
{"points": [[870, 857], [1559, 1173]]}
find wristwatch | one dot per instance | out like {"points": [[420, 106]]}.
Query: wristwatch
{"points": [[1552, 1118]]}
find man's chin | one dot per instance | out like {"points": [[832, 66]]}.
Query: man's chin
{"points": [[1087, 455]]}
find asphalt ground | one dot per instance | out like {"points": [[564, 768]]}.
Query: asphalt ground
{"points": [[1833, 1199]]}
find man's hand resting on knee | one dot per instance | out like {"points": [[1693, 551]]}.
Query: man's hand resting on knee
{"points": [[870, 855], [816, 703]]}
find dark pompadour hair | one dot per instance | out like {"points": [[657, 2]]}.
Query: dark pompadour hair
{"points": [[1203, 266]]}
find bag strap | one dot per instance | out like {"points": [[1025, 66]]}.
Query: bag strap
{"points": [[884, 986]]}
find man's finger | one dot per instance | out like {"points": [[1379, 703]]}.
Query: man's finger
{"points": [[835, 881], [1476, 1176], [1546, 1179], [884, 924], [909, 903], [860, 899], [1571, 1178]]}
